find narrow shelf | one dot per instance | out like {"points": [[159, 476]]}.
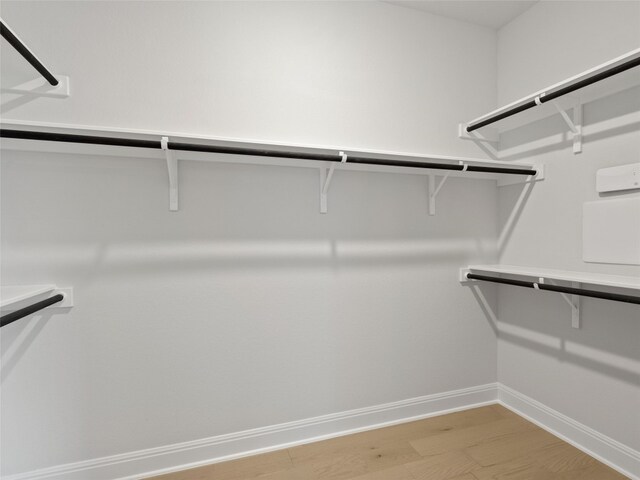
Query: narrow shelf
{"points": [[599, 279], [182, 146], [13, 294], [519, 112], [31, 136]]}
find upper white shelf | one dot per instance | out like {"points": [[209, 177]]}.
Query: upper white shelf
{"points": [[13, 294], [120, 151], [618, 281], [608, 86]]}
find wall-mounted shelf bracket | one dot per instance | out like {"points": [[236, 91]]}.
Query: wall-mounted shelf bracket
{"points": [[489, 138], [433, 190], [325, 182], [172, 169], [40, 87], [574, 303], [574, 124]]}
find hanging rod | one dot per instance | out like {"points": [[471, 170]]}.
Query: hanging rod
{"points": [[263, 152], [23, 312], [23, 50], [548, 96], [557, 288]]}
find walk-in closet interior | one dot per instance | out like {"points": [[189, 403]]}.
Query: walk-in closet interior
{"points": [[320, 240]]}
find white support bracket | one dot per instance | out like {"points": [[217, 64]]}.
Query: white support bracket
{"points": [[40, 87], [325, 182], [172, 168], [433, 190], [575, 124], [574, 303], [572, 300], [488, 140]]}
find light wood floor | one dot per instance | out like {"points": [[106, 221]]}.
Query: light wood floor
{"points": [[480, 444]]}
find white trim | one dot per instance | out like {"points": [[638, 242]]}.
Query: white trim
{"points": [[618, 456], [170, 458]]}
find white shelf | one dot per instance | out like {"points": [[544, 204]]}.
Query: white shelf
{"points": [[608, 86], [326, 168], [13, 294], [116, 151], [618, 281]]}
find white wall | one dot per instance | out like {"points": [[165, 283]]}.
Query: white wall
{"points": [[592, 375], [247, 308]]}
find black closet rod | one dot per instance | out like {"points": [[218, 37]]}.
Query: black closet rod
{"points": [[545, 97], [23, 50], [23, 312], [193, 147], [557, 288]]}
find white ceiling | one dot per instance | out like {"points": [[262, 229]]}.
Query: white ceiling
{"points": [[488, 13]]}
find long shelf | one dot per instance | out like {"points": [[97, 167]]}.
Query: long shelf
{"points": [[607, 86], [595, 279], [323, 152], [60, 138]]}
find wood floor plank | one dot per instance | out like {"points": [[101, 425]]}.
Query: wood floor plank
{"points": [[520, 469], [443, 466], [596, 472], [394, 473], [511, 446], [241, 469], [337, 460], [563, 457], [471, 436]]}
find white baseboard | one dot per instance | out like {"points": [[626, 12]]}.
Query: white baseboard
{"points": [[170, 458], [605, 449]]}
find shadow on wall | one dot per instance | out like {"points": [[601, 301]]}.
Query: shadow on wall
{"points": [[17, 337], [142, 259], [541, 321], [602, 118]]}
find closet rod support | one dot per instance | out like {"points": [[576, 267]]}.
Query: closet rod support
{"points": [[172, 169]]}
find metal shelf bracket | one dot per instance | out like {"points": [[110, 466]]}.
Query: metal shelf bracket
{"points": [[172, 169], [433, 190], [325, 182], [574, 124], [574, 303]]}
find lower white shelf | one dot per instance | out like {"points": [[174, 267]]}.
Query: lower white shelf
{"points": [[594, 279]]}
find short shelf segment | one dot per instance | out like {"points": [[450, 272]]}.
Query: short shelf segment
{"points": [[14, 294], [542, 279], [584, 87], [594, 279]]}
